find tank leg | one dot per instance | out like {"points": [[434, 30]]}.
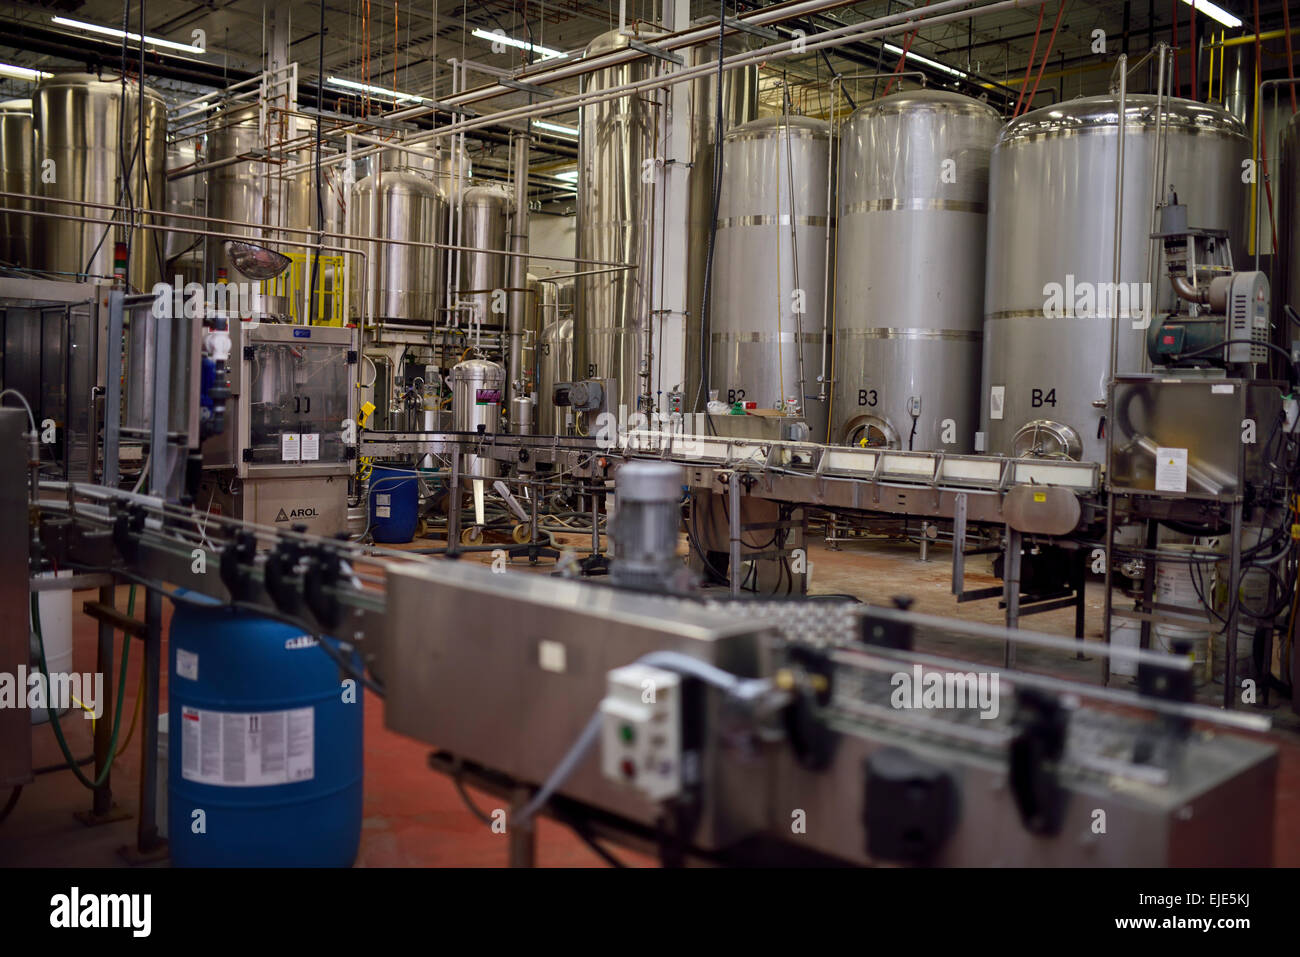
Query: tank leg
{"points": [[147, 839], [103, 802], [523, 840]]}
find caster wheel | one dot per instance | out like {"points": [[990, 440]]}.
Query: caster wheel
{"points": [[522, 534], [472, 535]]}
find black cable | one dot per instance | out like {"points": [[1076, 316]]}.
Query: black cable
{"points": [[702, 389], [459, 785], [585, 835], [1235, 342], [14, 795], [64, 765]]}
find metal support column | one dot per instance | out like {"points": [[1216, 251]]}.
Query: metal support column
{"points": [[453, 511], [522, 838], [1234, 611], [103, 800], [1011, 589], [733, 494]]}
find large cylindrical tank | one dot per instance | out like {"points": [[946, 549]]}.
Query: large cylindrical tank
{"points": [[265, 739], [739, 105], [1051, 243], [769, 299], [398, 282], [485, 212], [16, 230], [477, 391], [554, 364], [614, 223], [77, 118], [236, 191], [909, 298], [187, 196], [1287, 271], [564, 300]]}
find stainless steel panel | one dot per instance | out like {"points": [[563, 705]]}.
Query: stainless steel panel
{"points": [[16, 176], [15, 723], [77, 118], [614, 213], [771, 253], [1205, 416], [1051, 217], [913, 199], [475, 687]]}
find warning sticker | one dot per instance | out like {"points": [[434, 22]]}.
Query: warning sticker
{"points": [[187, 664], [248, 749]]}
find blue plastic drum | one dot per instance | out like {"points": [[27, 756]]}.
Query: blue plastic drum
{"points": [[394, 504], [265, 741]]}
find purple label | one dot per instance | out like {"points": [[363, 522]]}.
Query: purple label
{"points": [[487, 396]]}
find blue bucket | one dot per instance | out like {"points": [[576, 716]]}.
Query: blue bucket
{"points": [[394, 504]]}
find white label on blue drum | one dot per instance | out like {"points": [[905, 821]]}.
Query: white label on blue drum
{"points": [[187, 664], [248, 748]]}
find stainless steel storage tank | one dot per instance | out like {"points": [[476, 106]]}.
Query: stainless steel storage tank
{"points": [[477, 391], [77, 118], [614, 223], [554, 364], [1286, 277], [739, 105], [1051, 243], [17, 230], [186, 195], [485, 218], [398, 282], [769, 299], [909, 296], [236, 191]]}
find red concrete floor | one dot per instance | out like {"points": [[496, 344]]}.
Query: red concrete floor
{"points": [[413, 816]]}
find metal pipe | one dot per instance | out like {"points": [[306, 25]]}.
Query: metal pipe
{"points": [[868, 29], [156, 214], [1156, 159], [519, 270], [1257, 149]]}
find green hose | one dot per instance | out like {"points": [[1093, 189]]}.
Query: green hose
{"points": [[54, 714]]}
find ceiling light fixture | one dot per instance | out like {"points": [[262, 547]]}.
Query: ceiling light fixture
{"points": [[569, 176], [1214, 12], [22, 72], [499, 36], [118, 34], [926, 61], [556, 128], [376, 90]]}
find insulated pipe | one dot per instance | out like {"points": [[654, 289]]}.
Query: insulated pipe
{"points": [[519, 271]]}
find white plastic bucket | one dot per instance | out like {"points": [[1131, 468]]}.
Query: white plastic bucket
{"points": [[1175, 588], [56, 635], [1125, 633]]}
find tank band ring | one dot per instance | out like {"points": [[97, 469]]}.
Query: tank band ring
{"points": [[1038, 314], [916, 205], [794, 132], [932, 335], [783, 220], [764, 337]]}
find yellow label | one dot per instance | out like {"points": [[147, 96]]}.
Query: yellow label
{"points": [[1040, 496]]}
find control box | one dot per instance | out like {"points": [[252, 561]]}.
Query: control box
{"points": [[1248, 308], [641, 737]]}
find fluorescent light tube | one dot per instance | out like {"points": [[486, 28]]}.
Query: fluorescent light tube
{"points": [[118, 34], [499, 36]]}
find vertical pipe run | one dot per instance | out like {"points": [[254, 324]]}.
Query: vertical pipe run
{"points": [[518, 269]]}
